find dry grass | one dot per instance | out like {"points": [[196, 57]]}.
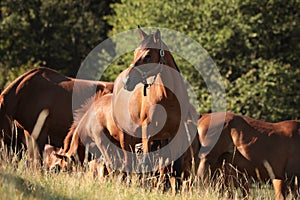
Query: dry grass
{"points": [[19, 181]]}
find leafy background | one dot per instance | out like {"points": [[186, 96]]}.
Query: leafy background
{"points": [[255, 44]]}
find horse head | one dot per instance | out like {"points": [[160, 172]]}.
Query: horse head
{"points": [[54, 159], [149, 58]]}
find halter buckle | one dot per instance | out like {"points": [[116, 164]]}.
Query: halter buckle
{"points": [[161, 53]]}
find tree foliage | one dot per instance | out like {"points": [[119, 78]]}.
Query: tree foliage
{"points": [[255, 45], [269, 92], [55, 33]]}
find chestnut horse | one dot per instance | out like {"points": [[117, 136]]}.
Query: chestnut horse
{"points": [[150, 99], [94, 124], [45, 89], [271, 148]]}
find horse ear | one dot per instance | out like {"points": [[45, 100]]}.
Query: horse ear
{"points": [[156, 36], [141, 33]]}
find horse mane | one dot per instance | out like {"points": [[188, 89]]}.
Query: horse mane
{"points": [[78, 131], [259, 125], [78, 114], [176, 66], [68, 138]]}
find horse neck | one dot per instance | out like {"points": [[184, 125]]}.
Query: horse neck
{"points": [[80, 132], [68, 138], [73, 145], [260, 126], [246, 130], [158, 90], [166, 79]]}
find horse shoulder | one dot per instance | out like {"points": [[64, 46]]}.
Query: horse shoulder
{"points": [[290, 128], [243, 134]]}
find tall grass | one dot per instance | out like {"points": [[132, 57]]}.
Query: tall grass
{"points": [[18, 180]]}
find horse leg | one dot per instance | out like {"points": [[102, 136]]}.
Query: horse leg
{"points": [[203, 170], [103, 149], [159, 161], [234, 179], [295, 187], [145, 139], [145, 142], [278, 185], [162, 173], [161, 178], [245, 188], [173, 185], [125, 141], [36, 143], [39, 135]]}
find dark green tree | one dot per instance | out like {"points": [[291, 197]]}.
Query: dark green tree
{"points": [[270, 92], [57, 34], [241, 37]]}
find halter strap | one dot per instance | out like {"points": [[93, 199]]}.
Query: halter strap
{"points": [[162, 55], [145, 75], [156, 71]]}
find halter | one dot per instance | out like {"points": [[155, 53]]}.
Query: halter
{"points": [[156, 71]]}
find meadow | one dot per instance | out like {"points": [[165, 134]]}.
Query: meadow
{"points": [[19, 180], [254, 45]]}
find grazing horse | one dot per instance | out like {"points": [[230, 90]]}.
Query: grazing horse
{"points": [[271, 149], [150, 100], [94, 124], [45, 89]]}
